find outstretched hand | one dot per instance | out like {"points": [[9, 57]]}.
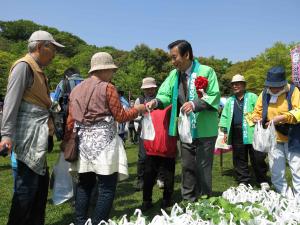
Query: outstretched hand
{"points": [[151, 105]]}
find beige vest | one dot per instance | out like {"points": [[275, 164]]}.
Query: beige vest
{"points": [[38, 93]]}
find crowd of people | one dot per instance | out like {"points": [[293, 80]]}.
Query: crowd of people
{"points": [[97, 112]]}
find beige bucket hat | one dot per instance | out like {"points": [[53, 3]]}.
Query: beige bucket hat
{"points": [[42, 35], [102, 61], [148, 82], [238, 78]]}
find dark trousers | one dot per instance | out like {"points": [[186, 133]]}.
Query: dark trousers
{"points": [[141, 163], [240, 163], [240, 159], [197, 162], [106, 192], [30, 197], [133, 134], [155, 165]]}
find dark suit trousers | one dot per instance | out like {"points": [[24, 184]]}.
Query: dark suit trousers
{"points": [[197, 162]]}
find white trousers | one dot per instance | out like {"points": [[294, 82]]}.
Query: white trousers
{"points": [[277, 162]]}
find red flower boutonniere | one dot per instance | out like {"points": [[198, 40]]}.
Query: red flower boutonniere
{"points": [[201, 84]]}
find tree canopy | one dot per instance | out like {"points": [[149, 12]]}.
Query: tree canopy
{"points": [[133, 65]]}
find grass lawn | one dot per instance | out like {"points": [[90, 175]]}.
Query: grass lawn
{"points": [[126, 200]]}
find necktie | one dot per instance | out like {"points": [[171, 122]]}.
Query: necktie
{"points": [[184, 83]]}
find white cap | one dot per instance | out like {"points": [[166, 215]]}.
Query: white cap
{"points": [[41, 35], [102, 61], [148, 82], [238, 78]]}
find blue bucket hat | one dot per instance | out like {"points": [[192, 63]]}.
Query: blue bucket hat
{"points": [[276, 77]]}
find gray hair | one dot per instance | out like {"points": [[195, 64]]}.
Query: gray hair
{"points": [[32, 46]]}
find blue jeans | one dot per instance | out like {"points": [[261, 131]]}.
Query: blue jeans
{"points": [[106, 192], [277, 161], [30, 197]]}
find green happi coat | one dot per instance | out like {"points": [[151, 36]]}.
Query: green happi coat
{"points": [[206, 121], [227, 116]]}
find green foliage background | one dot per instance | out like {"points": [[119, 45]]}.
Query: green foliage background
{"points": [[133, 65]]}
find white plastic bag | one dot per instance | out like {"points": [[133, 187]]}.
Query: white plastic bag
{"points": [[220, 141], [184, 128], [264, 140], [63, 184], [147, 132]]}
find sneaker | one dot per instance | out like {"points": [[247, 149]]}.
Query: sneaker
{"points": [[265, 186], [160, 184]]}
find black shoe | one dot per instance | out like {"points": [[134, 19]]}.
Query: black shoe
{"points": [[166, 203], [146, 206]]}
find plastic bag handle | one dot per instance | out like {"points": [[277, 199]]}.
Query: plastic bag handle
{"points": [[180, 112], [271, 123]]}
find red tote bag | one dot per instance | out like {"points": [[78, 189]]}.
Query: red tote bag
{"points": [[163, 144]]}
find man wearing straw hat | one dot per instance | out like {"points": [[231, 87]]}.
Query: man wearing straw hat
{"points": [[28, 94], [149, 91], [238, 131]]}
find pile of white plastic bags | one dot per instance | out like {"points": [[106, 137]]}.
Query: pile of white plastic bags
{"points": [[260, 207]]}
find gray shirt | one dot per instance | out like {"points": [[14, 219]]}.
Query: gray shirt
{"points": [[20, 79]]}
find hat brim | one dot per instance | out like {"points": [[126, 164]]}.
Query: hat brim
{"points": [[275, 84], [148, 86], [57, 44], [103, 67], [235, 81]]}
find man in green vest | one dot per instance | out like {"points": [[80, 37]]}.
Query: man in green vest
{"points": [[26, 127], [179, 90], [238, 130]]}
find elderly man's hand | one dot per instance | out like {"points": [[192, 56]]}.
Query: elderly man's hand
{"points": [[6, 143], [187, 108]]}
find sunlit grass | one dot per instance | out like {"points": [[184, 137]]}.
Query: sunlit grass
{"points": [[126, 200]]}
